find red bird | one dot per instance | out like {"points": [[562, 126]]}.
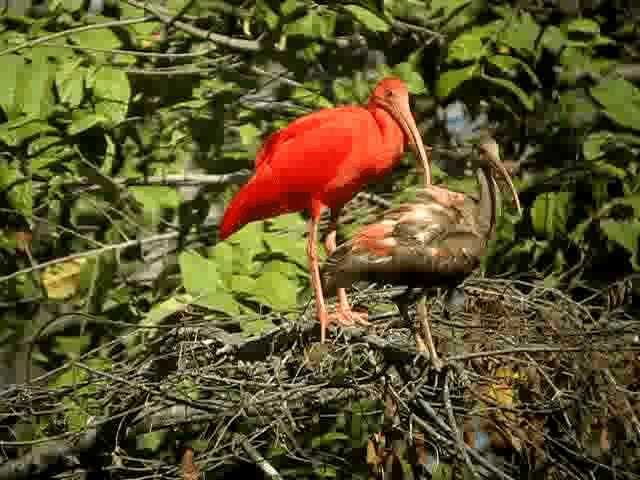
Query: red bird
{"points": [[322, 160]]}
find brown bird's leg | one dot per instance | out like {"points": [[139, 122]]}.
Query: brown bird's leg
{"points": [[422, 314], [344, 315]]}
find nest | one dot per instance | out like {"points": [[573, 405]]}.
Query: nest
{"points": [[536, 384]]}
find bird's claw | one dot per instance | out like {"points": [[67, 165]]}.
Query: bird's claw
{"points": [[348, 318]]}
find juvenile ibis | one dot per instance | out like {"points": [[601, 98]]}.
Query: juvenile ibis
{"points": [[437, 240]]}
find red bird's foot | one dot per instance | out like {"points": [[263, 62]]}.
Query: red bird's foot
{"points": [[347, 317]]}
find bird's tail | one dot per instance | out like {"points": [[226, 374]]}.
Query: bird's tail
{"points": [[256, 200]]}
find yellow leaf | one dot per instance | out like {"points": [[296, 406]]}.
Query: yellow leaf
{"points": [[61, 281]]}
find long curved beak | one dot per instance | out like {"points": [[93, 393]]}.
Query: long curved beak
{"points": [[490, 152], [401, 112]]}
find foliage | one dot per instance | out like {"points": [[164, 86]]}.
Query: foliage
{"points": [[103, 112]]}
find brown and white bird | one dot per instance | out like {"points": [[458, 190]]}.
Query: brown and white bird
{"points": [[436, 240]]}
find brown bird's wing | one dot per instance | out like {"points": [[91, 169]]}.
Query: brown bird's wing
{"points": [[420, 250]]}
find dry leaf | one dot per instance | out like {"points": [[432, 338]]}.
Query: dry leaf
{"points": [[62, 281]]}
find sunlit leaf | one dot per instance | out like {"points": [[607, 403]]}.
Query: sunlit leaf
{"points": [[521, 34], [621, 101], [550, 213], [315, 24], [584, 26], [453, 78], [62, 281], [521, 95], [70, 84], [624, 233], [10, 81], [369, 19], [111, 90], [467, 47], [276, 291]]}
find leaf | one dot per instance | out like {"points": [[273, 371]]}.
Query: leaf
{"points": [[15, 133], [553, 39], [576, 108], [583, 26], [62, 281], [12, 73], [163, 310], [83, 121], [276, 290], [373, 22], [511, 65], [111, 90], [625, 234], [315, 24], [70, 84], [525, 100], [155, 199], [452, 79], [35, 96], [72, 347], [201, 279], [550, 213], [98, 38], [291, 245], [466, 47], [199, 275], [329, 438], [521, 34], [620, 99], [266, 14], [255, 327]]}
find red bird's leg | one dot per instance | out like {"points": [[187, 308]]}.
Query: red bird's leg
{"points": [[312, 252], [344, 315]]}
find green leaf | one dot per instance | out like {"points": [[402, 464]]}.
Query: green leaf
{"points": [[155, 199], [83, 121], [373, 22], [243, 284], [201, 279], [161, 311], [625, 234], [407, 72], [112, 91], [72, 347], [98, 38], [276, 290], [266, 14], [621, 101], [452, 79], [576, 108], [315, 24], [287, 7], [255, 326], [328, 438], [511, 66], [72, 5], [291, 245], [35, 96], [583, 26], [70, 84], [550, 213], [521, 34], [15, 133], [525, 100], [553, 39], [12, 74], [467, 47], [153, 440], [20, 194]]}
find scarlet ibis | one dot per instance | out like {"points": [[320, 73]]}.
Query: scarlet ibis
{"points": [[322, 160], [437, 240]]}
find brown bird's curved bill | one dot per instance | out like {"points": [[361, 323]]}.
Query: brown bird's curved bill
{"points": [[489, 151], [402, 114]]}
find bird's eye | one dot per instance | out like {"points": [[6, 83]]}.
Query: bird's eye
{"points": [[389, 93]]}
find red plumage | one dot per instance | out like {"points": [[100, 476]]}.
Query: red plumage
{"points": [[323, 159]]}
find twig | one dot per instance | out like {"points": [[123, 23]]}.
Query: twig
{"points": [[71, 31], [454, 426], [117, 246], [229, 42], [258, 459]]}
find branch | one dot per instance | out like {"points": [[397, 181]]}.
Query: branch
{"points": [[118, 246], [258, 459], [233, 43], [71, 31]]}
